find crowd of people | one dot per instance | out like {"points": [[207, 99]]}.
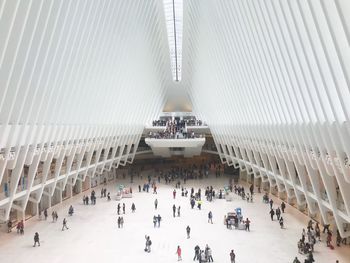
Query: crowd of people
{"points": [[168, 134], [305, 245], [203, 255], [92, 198], [174, 129], [188, 122], [312, 236], [159, 123]]}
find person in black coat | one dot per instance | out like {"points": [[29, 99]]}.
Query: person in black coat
{"points": [[272, 213], [196, 253], [188, 231], [36, 239], [278, 213], [283, 207]]}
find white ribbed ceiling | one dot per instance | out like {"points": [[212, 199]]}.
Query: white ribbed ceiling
{"points": [[82, 61], [272, 80]]}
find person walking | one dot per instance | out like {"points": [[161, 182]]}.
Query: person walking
{"points": [[64, 224], [45, 213], [188, 231], [121, 222], [272, 213], [154, 221], [283, 207], [178, 211], [199, 204], [178, 252], [21, 227], [18, 227], [196, 253], [118, 209], [124, 208], [251, 189], [281, 221], [193, 202], [133, 208], [210, 217], [174, 194], [202, 256], [71, 210], [53, 216], [318, 232], [174, 210], [159, 218], [247, 224], [9, 226], [271, 203], [148, 244], [233, 256], [208, 253], [156, 204], [329, 238], [118, 221], [36, 239], [278, 213]]}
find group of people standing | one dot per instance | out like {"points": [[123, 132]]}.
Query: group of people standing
{"points": [[156, 220], [176, 209], [310, 237], [92, 198], [203, 255], [19, 227], [277, 212]]}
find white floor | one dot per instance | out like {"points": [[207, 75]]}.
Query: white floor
{"points": [[93, 235]]}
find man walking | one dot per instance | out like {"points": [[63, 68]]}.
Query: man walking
{"points": [[36, 239], [272, 213], [283, 206], [232, 256], [148, 244], [188, 231], [196, 253], [64, 224], [210, 217]]}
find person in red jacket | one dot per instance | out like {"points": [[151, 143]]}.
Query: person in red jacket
{"points": [[178, 252], [174, 193]]}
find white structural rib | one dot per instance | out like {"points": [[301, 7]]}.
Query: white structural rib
{"points": [[272, 80]]}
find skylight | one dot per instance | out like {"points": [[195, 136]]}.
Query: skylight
{"points": [[174, 20]]}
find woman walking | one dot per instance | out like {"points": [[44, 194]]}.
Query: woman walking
{"points": [[178, 252]]}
